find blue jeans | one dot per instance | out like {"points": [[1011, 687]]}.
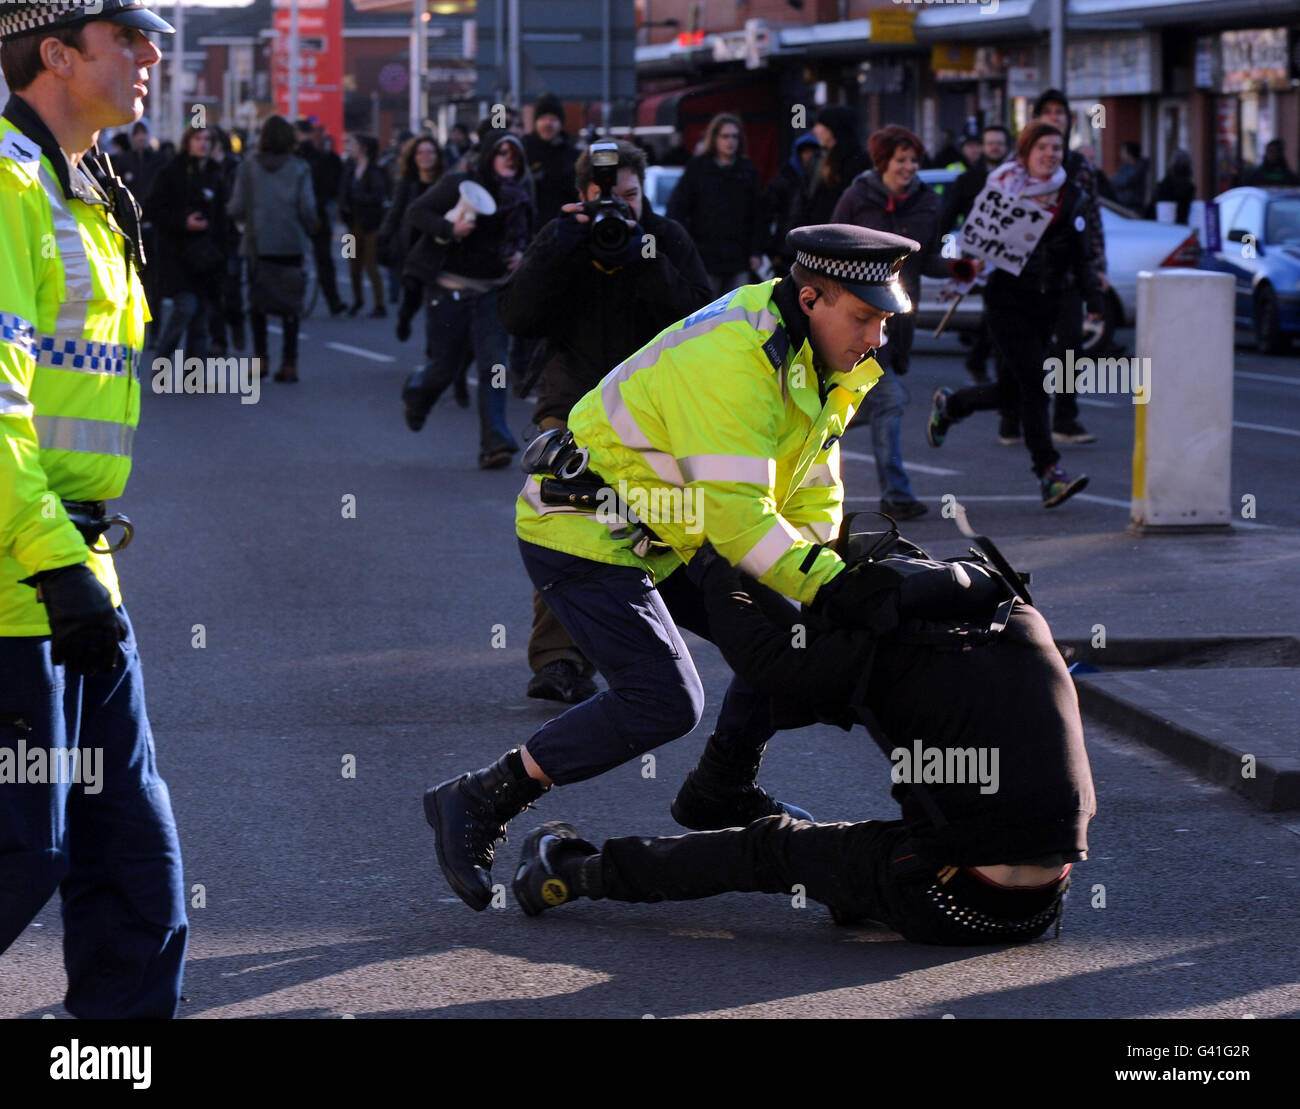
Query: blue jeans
{"points": [[628, 628], [187, 324], [108, 844], [453, 326], [883, 409]]}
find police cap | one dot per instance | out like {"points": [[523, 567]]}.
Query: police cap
{"points": [[865, 262], [26, 17]]}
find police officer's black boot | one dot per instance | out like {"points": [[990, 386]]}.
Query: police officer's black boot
{"points": [[469, 815], [723, 790]]}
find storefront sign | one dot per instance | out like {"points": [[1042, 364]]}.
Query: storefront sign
{"points": [[1208, 70], [892, 25], [1254, 61], [320, 61], [1024, 80], [1113, 65]]}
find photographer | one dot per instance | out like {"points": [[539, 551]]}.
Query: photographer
{"points": [[594, 308]]}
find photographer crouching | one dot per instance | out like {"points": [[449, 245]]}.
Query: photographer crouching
{"points": [[597, 283]]}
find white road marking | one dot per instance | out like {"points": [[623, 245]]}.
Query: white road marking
{"points": [[1268, 377], [1088, 402], [374, 356], [1268, 427], [920, 468]]}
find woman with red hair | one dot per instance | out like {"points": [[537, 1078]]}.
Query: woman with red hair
{"points": [[1023, 308], [891, 197]]}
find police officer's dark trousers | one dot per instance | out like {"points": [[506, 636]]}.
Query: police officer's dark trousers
{"points": [[628, 628], [108, 844]]}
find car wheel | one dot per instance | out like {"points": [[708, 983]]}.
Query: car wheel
{"points": [[1103, 339], [1269, 338]]}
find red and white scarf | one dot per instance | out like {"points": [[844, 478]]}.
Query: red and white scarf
{"points": [[1013, 179]]}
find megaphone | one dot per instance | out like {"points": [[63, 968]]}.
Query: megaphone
{"points": [[474, 201]]}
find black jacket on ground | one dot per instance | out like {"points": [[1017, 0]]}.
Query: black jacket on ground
{"points": [[722, 211], [551, 165], [185, 257], [1062, 256], [1013, 696], [593, 319]]}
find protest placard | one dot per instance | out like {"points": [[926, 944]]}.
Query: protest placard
{"points": [[1003, 230]]}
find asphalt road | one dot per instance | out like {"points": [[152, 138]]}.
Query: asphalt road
{"points": [[371, 637]]}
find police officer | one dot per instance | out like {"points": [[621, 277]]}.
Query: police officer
{"points": [[995, 810], [82, 808], [725, 428]]}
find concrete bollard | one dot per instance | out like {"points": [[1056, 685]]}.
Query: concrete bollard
{"points": [[1182, 449]]}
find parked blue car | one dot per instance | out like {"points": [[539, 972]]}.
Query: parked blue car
{"points": [[1259, 231]]}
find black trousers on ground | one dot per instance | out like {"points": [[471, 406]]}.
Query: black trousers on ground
{"points": [[322, 248], [1022, 335], [864, 870]]}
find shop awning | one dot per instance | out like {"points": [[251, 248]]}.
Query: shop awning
{"points": [[983, 22]]}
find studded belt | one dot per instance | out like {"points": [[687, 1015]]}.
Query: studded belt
{"points": [[979, 922]]}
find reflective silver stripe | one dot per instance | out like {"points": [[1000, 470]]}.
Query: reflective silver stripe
{"points": [[68, 433], [817, 531], [819, 473], [763, 555], [729, 467], [620, 418], [13, 400], [665, 467], [79, 286]]}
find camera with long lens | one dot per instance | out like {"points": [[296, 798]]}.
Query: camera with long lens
{"points": [[609, 232]]}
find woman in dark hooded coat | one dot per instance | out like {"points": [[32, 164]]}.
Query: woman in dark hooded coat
{"points": [[842, 160], [456, 265]]}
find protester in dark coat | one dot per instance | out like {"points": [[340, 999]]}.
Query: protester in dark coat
{"points": [[718, 202], [891, 197], [1129, 182], [1176, 186], [459, 263], [186, 209], [551, 157], [326, 176], [362, 196], [789, 182], [842, 160], [1273, 170], [419, 166]]}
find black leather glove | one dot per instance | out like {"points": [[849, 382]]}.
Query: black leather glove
{"points": [[85, 629], [863, 596]]}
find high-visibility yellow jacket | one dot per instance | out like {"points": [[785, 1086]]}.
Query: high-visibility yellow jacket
{"points": [[720, 428], [72, 316]]}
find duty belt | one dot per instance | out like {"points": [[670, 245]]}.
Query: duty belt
{"points": [[572, 483], [88, 518]]}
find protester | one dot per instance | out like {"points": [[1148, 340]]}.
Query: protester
{"points": [[626, 299], [718, 202], [1176, 187], [458, 264], [1273, 170], [316, 149], [1053, 108], [551, 158], [842, 159], [227, 311], [418, 169], [789, 182], [186, 209], [1129, 182], [362, 196], [891, 197], [274, 198], [1022, 308]]}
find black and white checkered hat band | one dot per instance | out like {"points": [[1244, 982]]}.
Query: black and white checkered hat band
{"points": [[16, 18], [868, 273]]}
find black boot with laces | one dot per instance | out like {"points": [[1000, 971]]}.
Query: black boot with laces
{"points": [[469, 816], [723, 790]]}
